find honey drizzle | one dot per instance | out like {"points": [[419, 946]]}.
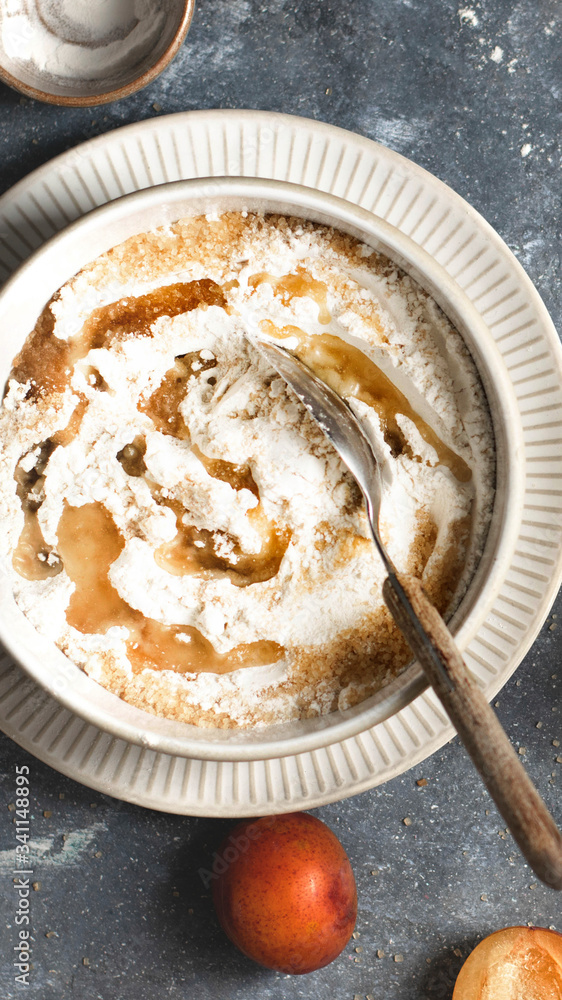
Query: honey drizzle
{"points": [[238, 476], [135, 315], [299, 284], [46, 362], [163, 406], [67, 434], [194, 550], [89, 542], [197, 550], [32, 558], [351, 373]]}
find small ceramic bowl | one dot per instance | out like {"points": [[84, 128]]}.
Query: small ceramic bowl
{"points": [[87, 52], [23, 298]]}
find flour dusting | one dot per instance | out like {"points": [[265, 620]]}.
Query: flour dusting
{"points": [[80, 38]]}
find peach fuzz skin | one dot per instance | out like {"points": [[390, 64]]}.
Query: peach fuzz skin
{"points": [[287, 896], [513, 963]]}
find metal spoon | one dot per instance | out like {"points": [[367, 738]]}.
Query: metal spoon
{"points": [[517, 799]]}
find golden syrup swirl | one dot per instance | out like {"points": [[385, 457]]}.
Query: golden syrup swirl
{"points": [[299, 284], [200, 551], [348, 371], [46, 362], [88, 543]]}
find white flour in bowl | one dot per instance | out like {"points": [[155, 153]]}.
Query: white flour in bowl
{"points": [[171, 515], [80, 38]]}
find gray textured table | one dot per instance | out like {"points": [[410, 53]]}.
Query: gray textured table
{"points": [[119, 911]]}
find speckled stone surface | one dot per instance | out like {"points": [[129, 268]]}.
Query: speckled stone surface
{"points": [[471, 92]]}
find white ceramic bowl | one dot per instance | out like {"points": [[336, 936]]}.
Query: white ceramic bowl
{"points": [[23, 298]]}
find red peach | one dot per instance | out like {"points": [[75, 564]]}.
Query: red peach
{"points": [[286, 895], [514, 963]]}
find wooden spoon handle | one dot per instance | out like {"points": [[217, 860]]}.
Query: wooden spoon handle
{"points": [[517, 799]]}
